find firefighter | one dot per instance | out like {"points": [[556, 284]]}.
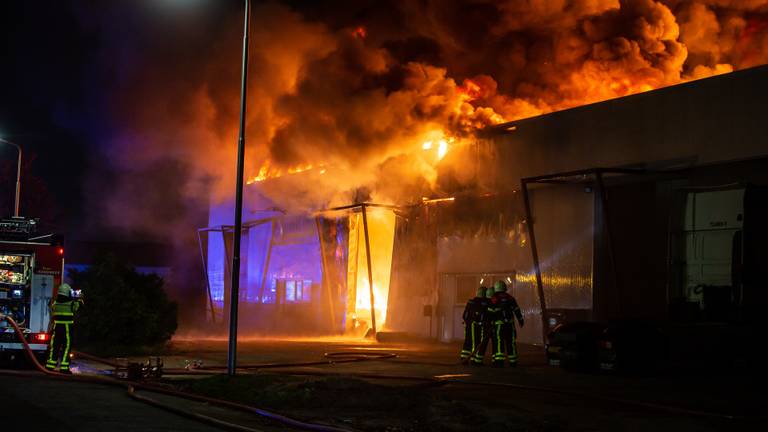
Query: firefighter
{"points": [[63, 311], [503, 311], [473, 319], [479, 355]]}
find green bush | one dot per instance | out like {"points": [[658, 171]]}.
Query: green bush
{"points": [[122, 308]]}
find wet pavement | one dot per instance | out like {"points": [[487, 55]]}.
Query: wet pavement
{"points": [[40, 403], [533, 396], [572, 400]]}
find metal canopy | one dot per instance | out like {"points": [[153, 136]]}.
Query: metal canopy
{"points": [[591, 175]]}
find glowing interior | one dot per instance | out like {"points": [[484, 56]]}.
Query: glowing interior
{"points": [[381, 232]]}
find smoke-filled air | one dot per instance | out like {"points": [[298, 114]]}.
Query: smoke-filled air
{"points": [[374, 100]]}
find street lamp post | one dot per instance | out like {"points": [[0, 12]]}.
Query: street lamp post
{"points": [[234, 293], [18, 176]]}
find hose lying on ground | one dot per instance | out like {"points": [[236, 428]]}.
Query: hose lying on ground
{"points": [[132, 386], [357, 356], [336, 357], [439, 381], [27, 349], [184, 413], [354, 356]]}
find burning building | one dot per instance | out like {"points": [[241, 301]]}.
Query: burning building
{"points": [[403, 154], [630, 162]]}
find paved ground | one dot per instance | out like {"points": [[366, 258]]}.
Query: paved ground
{"points": [[590, 402], [533, 396], [36, 404]]}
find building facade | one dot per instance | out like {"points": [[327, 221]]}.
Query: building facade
{"points": [[614, 191]]}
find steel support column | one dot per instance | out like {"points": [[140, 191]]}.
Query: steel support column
{"points": [[536, 263], [370, 271]]}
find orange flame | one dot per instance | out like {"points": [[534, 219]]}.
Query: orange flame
{"points": [[441, 145], [470, 89], [267, 171], [381, 226]]}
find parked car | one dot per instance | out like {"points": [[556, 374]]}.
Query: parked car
{"points": [[624, 346], [574, 345]]}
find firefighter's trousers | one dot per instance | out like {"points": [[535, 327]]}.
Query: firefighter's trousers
{"points": [[59, 346], [473, 334], [482, 346], [504, 343]]}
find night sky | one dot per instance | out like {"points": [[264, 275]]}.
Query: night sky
{"points": [[127, 108], [45, 106], [67, 68], [69, 71], [65, 63]]}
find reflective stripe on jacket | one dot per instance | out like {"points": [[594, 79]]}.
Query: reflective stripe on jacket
{"points": [[504, 309], [64, 312]]}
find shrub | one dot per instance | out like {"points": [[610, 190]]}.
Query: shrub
{"points": [[122, 307]]}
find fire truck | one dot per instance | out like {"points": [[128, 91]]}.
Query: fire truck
{"points": [[31, 268]]}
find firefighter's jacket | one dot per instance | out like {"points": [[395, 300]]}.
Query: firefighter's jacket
{"points": [[504, 309], [63, 310], [476, 310]]}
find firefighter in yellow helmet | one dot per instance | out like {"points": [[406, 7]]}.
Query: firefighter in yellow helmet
{"points": [[63, 311], [503, 311]]}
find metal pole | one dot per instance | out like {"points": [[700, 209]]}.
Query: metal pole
{"points": [[608, 240], [235, 291], [535, 254], [205, 275], [370, 273], [18, 177]]}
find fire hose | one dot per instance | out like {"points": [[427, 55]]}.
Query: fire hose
{"points": [[352, 356], [449, 379], [348, 357], [336, 357], [341, 357], [131, 387]]}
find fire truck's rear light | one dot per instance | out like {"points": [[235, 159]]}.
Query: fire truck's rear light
{"points": [[41, 337], [60, 251]]}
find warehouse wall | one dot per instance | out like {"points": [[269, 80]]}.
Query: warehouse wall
{"points": [[716, 119], [708, 126]]}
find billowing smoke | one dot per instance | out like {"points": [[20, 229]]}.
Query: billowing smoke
{"points": [[722, 35], [532, 57], [355, 90]]}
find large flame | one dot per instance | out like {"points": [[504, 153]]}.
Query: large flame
{"points": [[361, 92], [363, 302], [437, 144], [381, 233]]}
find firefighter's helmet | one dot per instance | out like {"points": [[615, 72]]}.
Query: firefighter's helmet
{"points": [[489, 292], [500, 286], [65, 290], [481, 291]]}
